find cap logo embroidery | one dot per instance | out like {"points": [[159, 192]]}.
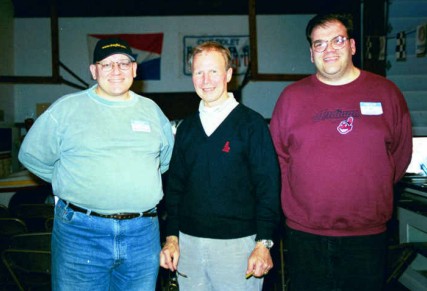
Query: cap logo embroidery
{"points": [[226, 148], [114, 45]]}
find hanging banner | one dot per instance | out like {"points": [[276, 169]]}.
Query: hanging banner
{"points": [[375, 48], [401, 46], [147, 50], [237, 44], [421, 40]]}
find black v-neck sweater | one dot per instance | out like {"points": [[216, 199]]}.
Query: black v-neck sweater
{"points": [[225, 185]]}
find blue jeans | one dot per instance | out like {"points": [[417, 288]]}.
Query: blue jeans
{"points": [[216, 264], [94, 253], [335, 263]]}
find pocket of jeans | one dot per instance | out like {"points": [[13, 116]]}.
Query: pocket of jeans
{"points": [[64, 213]]}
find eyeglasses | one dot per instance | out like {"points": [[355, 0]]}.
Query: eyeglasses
{"points": [[337, 42], [123, 65]]}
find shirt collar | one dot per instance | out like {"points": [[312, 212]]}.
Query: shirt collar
{"points": [[224, 106]]}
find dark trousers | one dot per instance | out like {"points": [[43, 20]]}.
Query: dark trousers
{"points": [[335, 263]]}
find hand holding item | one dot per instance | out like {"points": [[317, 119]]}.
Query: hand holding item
{"points": [[169, 255], [260, 262]]}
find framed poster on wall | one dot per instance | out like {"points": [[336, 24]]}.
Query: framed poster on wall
{"points": [[237, 44]]}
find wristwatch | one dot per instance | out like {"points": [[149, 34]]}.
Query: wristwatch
{"points": [[268, 243]]}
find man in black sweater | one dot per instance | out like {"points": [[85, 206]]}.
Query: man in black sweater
{"points": [[222, 195]]}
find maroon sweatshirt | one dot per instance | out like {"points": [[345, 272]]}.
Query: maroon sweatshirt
{"points": [[341, 149]]}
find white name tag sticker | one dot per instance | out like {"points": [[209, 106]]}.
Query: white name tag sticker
{"points": [[371, 108], [141, 126]]}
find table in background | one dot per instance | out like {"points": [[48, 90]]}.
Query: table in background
{"points": [[22, 180]]}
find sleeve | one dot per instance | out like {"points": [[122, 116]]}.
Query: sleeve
{"points": [[166, 150], [40, 149], [401, 149], [266, 176], [175, 187], [279, 140]]}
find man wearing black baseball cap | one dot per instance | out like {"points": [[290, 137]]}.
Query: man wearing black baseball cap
{"points": [[113, 57], [110, 46], [104, 150]]}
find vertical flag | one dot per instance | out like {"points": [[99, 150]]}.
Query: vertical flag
{"points": [[382, 45], [401, 46], [421, 40], [375, 48], [369, 48], [147, 50]]}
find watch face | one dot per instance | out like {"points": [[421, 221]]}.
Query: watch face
{"points": [[267, 243]]}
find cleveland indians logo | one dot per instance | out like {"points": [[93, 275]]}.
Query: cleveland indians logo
{"points": [[346, 126]]}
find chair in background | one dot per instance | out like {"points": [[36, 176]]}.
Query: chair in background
{"points": [[30, 269], [31, 241], [4, 211], [48, 224], [37, 241], [10, 227], [38, 195], [35, 215]]}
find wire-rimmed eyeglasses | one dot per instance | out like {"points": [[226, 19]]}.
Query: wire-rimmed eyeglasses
{"points": [[337, 42], [123, 65]]}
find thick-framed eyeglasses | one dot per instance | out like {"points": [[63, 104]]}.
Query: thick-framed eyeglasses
{"points": [[123, 65], [337, 43]]}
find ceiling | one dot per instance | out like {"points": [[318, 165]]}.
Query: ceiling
{"points": [[107, 8]]}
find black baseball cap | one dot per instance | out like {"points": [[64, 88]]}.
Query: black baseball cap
{"points": [[110, 46]]}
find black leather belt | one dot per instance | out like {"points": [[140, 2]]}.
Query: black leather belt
{"points": [[119, 216]]}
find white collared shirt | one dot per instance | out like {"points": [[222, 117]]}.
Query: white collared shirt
{"points": [[211, 117]]}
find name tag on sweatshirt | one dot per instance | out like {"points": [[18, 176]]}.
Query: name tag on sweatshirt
{"points": [[371, 108], [141, 126]]}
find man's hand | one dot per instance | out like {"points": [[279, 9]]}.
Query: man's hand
{"points": [[169, 255], [259, 262]]}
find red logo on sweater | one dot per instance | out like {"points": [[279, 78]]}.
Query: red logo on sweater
{"points": [[346, 126], [226, 147]]}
